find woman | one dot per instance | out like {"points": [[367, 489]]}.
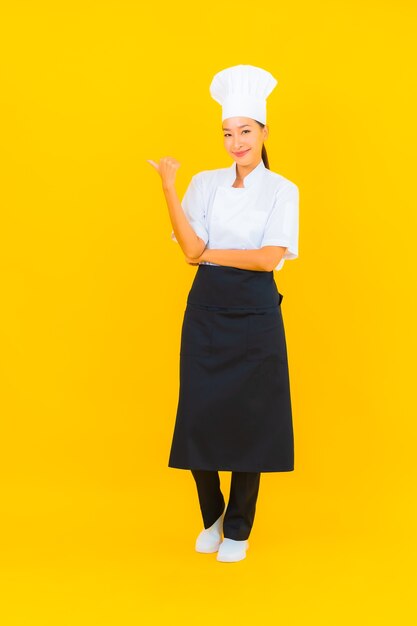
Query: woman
{"points": [[237, 224]]}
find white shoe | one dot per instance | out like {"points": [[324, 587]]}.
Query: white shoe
{"points": [[231, 550], [210, 538]]}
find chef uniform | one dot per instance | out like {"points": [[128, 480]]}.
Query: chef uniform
{"points": [[234, 407]]}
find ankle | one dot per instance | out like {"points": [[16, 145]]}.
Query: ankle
{"points": [[217, 525]]}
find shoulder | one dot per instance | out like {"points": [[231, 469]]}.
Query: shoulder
{"points": [[274, 181], [281, 183], [211, 177]]}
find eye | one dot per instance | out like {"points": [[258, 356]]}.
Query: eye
{"points": [[243, 131]]}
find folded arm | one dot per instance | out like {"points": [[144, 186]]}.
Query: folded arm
{"points": [[263, 259]]}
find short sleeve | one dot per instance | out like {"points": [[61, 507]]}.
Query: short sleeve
{"points": [[194, 206], [282, 226]]}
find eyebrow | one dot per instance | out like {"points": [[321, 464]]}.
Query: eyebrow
{"points": [[238, 126]]}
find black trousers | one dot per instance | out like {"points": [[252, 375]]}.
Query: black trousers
{"points": [[240, 512]]}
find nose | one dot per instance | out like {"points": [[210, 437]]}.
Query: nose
{"points": [[237, 144]]}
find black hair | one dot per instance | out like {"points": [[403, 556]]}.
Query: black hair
{"points": [[264, 154]]}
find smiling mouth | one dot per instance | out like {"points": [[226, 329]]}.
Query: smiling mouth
{"points": [[241, 153]]}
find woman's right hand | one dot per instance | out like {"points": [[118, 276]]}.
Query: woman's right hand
{"points": [[167, 169]]}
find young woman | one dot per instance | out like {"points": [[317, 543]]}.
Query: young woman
{"points": [[237, 224]]}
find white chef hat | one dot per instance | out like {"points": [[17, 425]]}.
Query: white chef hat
{"points": [[242, 91]]}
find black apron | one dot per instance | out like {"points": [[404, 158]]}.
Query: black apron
{"points": [[234, 405]]}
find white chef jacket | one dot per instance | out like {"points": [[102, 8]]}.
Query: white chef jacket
{"points": [[265, 212]]}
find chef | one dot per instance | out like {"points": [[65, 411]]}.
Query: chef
{"points": [[234, 407]]}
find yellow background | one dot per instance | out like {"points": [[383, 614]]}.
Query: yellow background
{"points": [[95, 528]]}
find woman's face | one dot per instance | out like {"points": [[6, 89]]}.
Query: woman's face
{"points": [[243, 139]]}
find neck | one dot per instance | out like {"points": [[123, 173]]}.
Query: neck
{"points": [[244, 170]]}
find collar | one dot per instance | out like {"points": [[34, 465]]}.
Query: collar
{"points": [[251, 178]]}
